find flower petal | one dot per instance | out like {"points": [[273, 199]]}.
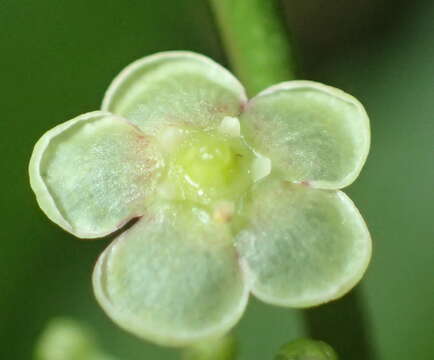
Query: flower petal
{"points": [[176, 87], [312, 132], [173, 278], [303, 246], [92, 173]]}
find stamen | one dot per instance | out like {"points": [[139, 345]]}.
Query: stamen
{"points": [[230, 126], [261, 168]]}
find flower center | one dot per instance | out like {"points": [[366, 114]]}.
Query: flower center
{"points": [[206, 162], [211, 168]]}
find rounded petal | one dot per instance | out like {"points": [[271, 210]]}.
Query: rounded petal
{"points": [[303, 246], [175, 87], [92, 174], [313, 133], [173, 278]]}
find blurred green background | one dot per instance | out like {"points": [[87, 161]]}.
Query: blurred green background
{"points": [[57, 57]]}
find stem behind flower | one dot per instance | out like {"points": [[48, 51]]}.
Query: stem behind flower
{"points": [[261, 55], [256, 42]]}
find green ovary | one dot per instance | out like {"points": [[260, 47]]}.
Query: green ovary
{"points": [[207, 167]]}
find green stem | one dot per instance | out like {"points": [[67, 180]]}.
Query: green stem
{"points": [[260, 53], [256, 42]]}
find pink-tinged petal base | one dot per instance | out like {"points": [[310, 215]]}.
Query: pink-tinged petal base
{"points": [[93, 173]]}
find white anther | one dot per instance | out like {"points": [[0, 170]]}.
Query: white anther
{"points": [[261, 168], [230, 126]]}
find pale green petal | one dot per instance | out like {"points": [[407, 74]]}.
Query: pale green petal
{"points": [[173, 278], [303, 246], [176, 87], [93, 173], [313, 133]]}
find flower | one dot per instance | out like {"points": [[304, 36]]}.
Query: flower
{"points": [[232, 196]]}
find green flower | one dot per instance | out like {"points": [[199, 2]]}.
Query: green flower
{"points": [[232, 196]]}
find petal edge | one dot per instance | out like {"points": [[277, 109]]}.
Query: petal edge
{"points": [[303, 246], [163, 283], [90, 157], [174, 87], [313, 133]]}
